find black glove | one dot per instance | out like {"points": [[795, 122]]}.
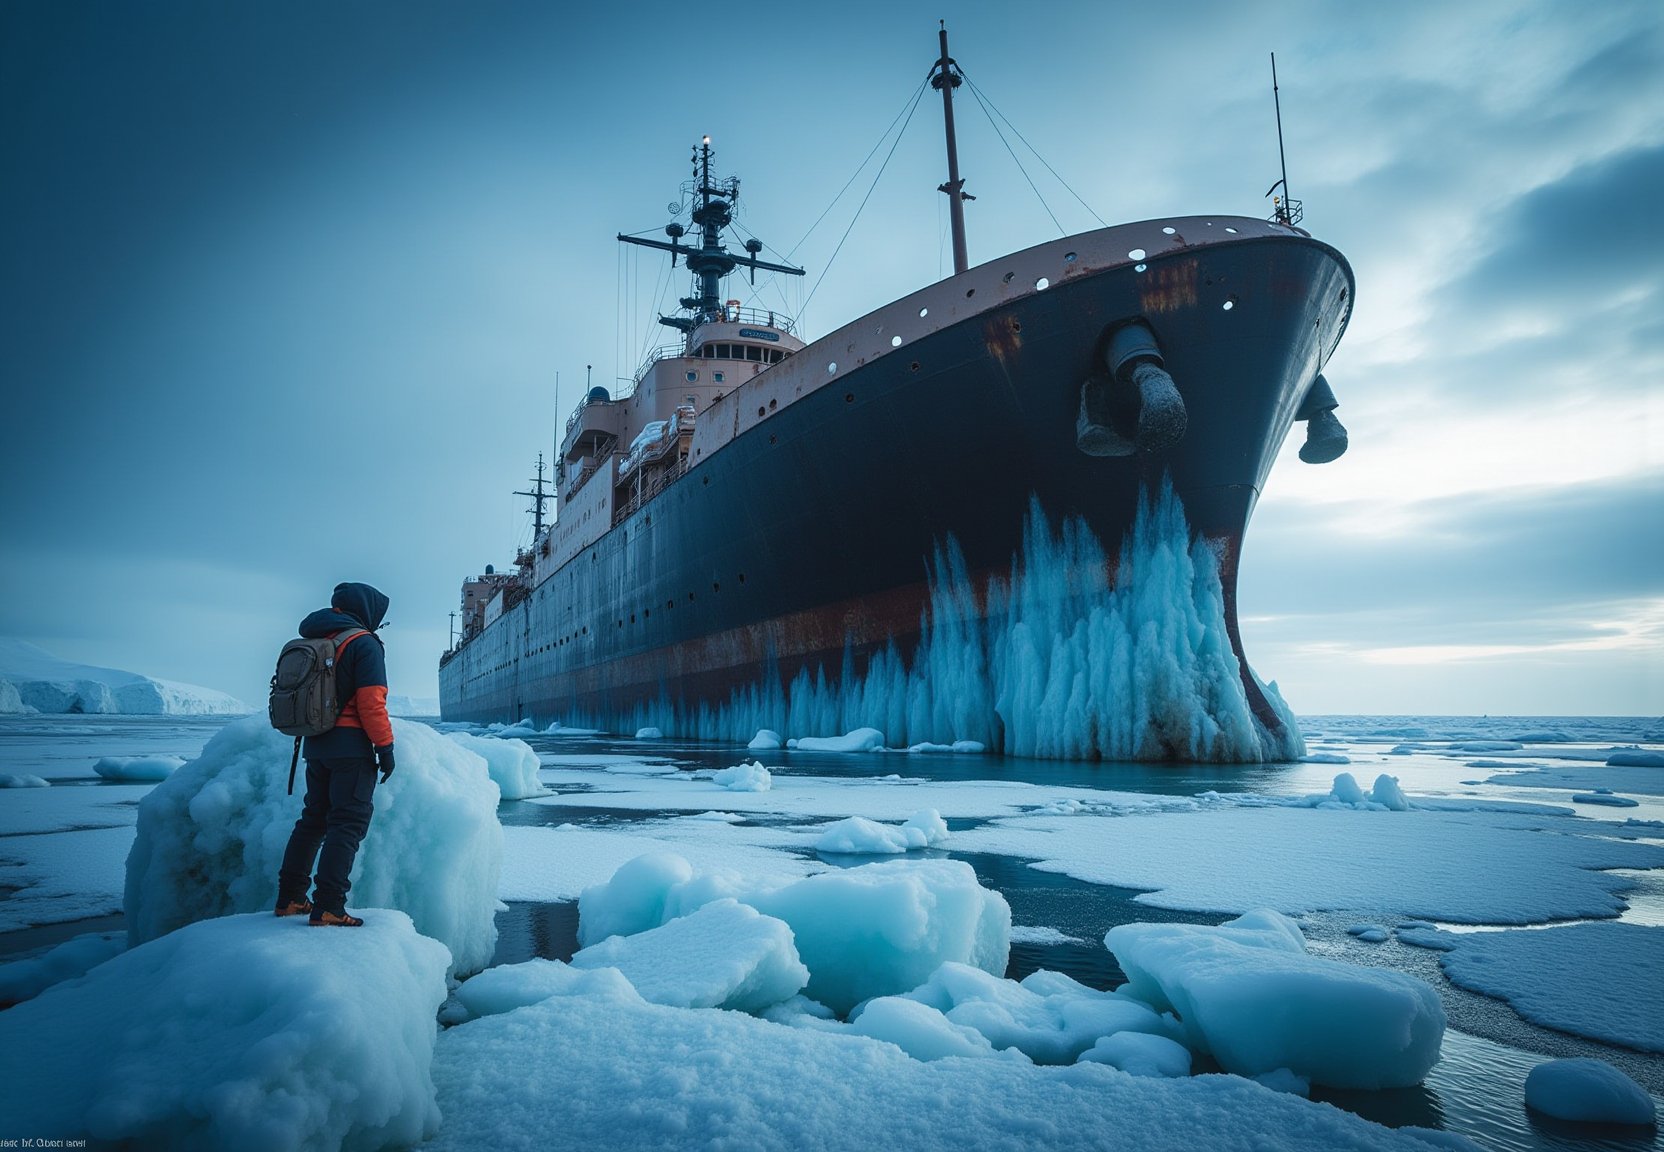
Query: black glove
{"points": [[384, 761]]}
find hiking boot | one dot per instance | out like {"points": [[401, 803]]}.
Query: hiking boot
{"points": [[322, 918], [297, 907]]}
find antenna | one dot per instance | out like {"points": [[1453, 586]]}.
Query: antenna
{"points": [[538, 496], [453, 630], [1283, 210]]}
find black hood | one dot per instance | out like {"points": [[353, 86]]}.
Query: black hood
{"points": [[354, 606], [364, 603]]}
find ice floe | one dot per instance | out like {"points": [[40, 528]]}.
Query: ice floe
{"points": [[147, 769], [511, 762], [1583, 1090]]}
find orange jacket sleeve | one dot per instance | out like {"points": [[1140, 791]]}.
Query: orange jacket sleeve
{"points": [[370, 702]]}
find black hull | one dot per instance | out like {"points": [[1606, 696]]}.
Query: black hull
{"points": [[808, 538]]}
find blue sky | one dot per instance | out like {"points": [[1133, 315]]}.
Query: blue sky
{"points": [[232, 232]]}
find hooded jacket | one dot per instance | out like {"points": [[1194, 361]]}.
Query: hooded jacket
{"points": [[360, 674]]}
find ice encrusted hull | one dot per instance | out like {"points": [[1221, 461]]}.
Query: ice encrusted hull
{"points": [[1075, 654]]}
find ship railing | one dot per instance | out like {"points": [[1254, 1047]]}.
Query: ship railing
{"points": [[763, 316], [650, 488], [662, 352], [592, 464]]}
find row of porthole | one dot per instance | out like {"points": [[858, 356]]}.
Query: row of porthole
{"points": [[647, 613]]}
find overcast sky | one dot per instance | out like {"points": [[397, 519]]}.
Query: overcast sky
{"points": [[244, 239]]}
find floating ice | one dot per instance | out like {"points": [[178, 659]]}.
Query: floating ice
{"points": [[1604, 797], [1053, 662], [1569, 978], [241, 1032], [143, 769], [1587, 1091], [1368, 933], [211, 838], [975, 747], [1325, 758], [876, 930], [1485, 746], [22, 979], [1388, 794], [725, 955], [1249, 994], [860, 740], [1140, 1054], [1635, 758], [766, 740], [649, 734], [860, 836], [1049, 1017], [751, 777], [22, 780], [1346, 790], [512, 764], [1285, 1080], [1044, 936]]}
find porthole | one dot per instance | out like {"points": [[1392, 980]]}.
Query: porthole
{"points": [[1170, 230], [715, 587], [1232, 231], [1042, 284], [742, 577], [1068, 257], [1139, 267], [895, 341], [969, 292], [832, 367], [1229, 304], [761, 411], [849, 397], [1137, 254], [773, 404], [1008, 277], [923, 312], [915, 365]]}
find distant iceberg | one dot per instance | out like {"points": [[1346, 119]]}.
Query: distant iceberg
{"points": [[34, 680]]}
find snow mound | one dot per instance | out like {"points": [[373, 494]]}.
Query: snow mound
{"points": [[1049, 1017], [511, 763], [1249, 994], [510, 986], [649, 734], [143, 769], [860, 740], [744, 778], [1389, 795], [34, 680], [242, 1032], [877, 930], [766, 740], [1605, 797], [22, 979], [862, 837], [1140, 1054], [725, 955], [22, 780], [1587, 1091], [1635, 758], [211, 838], [917, 1029]]}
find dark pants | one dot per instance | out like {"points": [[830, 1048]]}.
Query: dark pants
{"points": [[336, 814]]}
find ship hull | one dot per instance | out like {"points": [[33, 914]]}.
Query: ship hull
{"points": [[806, 543]]}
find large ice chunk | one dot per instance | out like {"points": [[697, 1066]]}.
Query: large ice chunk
{"points": [[918, 1029], [241, 1032], [1248, 993], [1140, 1054], [512, 764], [211, 838], [877, 930], [1049, 1017], [1587, 1091], [742, 777], [144, 769], [510, 986], [726, 955], [856, 835]]}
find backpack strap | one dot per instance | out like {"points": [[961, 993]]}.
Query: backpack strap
{"points": [[350, 635]]}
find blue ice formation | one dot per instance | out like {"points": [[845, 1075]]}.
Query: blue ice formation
{"points": [[1069, 658]]}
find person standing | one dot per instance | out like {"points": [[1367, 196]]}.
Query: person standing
{"points": [[341, 764]]}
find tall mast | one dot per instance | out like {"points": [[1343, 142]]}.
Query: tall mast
{"points": [[945, 77]]}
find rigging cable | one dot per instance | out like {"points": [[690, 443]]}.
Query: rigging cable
{"points": [[988, 104], [864, 199], [1061, 231]]}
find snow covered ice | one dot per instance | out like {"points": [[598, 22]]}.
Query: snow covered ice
{"points": [[1589, 1092], [211, 838], [239, 1032], [33, 680], [141, 768], [859, 836], [512, 764]]}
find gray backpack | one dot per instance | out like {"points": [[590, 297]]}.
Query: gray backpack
{"points": [[303, 699]]}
